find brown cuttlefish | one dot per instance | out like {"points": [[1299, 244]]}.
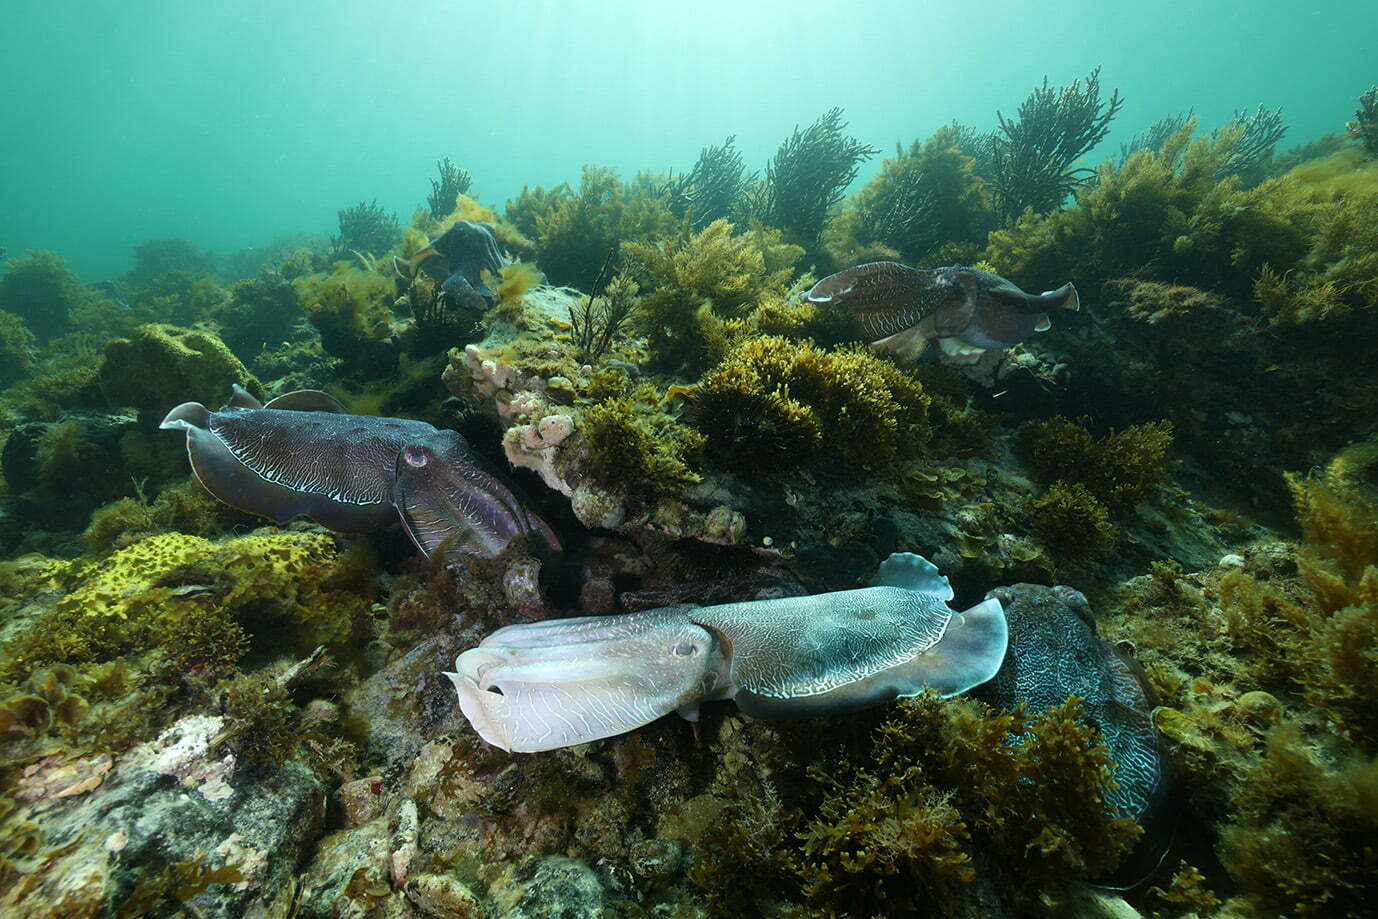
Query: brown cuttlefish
{"points": [[967, 311]]}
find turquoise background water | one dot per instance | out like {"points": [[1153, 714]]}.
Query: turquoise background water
{"points": [[230, 123]]}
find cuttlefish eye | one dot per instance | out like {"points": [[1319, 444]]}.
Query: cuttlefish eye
{"points": [[415, 458], [684, 649]]}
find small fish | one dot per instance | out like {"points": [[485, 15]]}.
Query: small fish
{"points": [[967, 311], [112, 291]]}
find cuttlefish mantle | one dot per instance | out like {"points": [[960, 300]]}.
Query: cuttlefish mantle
{"points": [[965, 310], [301, 455], [541, 686]]}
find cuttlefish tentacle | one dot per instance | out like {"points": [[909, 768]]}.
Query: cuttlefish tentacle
{"points": [[536, 687], [302, 455], [967, 311]]}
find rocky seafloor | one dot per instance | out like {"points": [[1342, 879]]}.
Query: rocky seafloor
{"points": [[208, 715]]}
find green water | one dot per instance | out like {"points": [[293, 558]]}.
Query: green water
{"points": [[231, 123]]}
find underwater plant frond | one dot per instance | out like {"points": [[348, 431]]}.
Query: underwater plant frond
{"points": [[1364, 127], [776, 403], [599, 317], [447, 187], [923, 198], [714, 188], [365, 227], [1156, 135], [1035, 154], [1253, 137], [808, 175], [575, 230], [696, 282]]}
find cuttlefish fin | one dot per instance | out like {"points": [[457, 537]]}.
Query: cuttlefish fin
{"points": [[913, 572], [1064, 298], [188, 416], [969, 653], [307, 400], [239, 398], [908, 345]]}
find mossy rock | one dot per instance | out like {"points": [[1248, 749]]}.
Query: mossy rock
{"points": [[160, 366], [39, 288], [174, 602]]}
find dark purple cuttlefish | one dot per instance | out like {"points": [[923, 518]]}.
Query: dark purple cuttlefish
{"points": [[301, 455], [967, 311], [457, 260]]}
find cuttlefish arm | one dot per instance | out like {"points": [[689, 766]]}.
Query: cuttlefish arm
{"points": [[540, 686], [446, 495]]}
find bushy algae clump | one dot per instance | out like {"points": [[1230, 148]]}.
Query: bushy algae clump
{"points": [[575, 229], [352, 309], [927, 206], [39, 288], [1265, 667], [1118, 469], [16, 348], [777, 404], [907, 818], [137, 604], [695, 285]]}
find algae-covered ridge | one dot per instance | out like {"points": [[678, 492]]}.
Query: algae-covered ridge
{"points": [[208, 713]]}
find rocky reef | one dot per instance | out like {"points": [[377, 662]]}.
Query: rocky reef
{"points": [[1173, 491]]}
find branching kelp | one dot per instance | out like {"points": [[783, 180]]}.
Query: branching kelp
{"points": [[1036, 152], [595, 322], [926, 196], [365, 228], [808, 176], [714, 188], [446, 189], [1156, 135], [1254, 137], [1364, 127]]}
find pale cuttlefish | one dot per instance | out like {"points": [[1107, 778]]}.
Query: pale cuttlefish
{"points": [[541, 686], [965, 310], [457, 261], [1054, 653], [301, 455]]}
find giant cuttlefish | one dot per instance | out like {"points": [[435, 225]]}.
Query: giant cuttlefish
{"points": [[301, 455], [967, 311], [1054, 653], [457, 261], [540, 686]]}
